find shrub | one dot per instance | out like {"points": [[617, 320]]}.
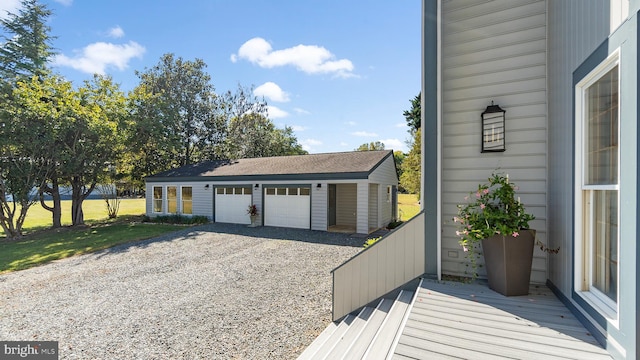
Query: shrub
{"points": [[179, 219]]}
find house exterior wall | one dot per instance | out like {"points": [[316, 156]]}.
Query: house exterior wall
{"points": [[319, 203], [202, 197], [362, 210], [493, 51], [581, 35], [384, 175], [373, 206]]}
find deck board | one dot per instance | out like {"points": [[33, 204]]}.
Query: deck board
{"points": [[455, 320]]}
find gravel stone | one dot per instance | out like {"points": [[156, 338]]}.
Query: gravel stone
{"points": [[217, 291]]}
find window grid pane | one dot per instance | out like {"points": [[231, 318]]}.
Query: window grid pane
{"points": [[172, 199], [187, 200], [604, 267], [602, 130], [157, 199]]}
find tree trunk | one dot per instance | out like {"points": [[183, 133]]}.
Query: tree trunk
{"points": [[77, 197], [56, 209]]}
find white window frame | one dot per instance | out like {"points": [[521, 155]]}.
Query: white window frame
{"points": [[181, 207], [153, 199], [583, 257]]}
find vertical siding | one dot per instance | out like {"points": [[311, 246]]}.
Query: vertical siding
{"points": [[384, 206], [390, 263], [493, 51], [346, 204], [202, 199], [319, 198], [576, 28]]}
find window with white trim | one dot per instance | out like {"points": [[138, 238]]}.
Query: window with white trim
{"points": [[187, 200], [597, 186], [172, 199], [157, 199]]}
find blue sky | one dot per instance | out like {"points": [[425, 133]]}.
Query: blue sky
{"points": [[339, 72]]}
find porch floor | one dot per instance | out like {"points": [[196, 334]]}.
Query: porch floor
{"points": [[455, 320]]}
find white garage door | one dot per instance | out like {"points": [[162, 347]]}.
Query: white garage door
{"points": [[232, 204], [287, 207]]}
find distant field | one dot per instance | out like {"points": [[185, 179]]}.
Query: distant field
{"points": [[408, 205], [94, 210]]}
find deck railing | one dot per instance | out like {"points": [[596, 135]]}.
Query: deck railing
{"points": [[388, 264]]}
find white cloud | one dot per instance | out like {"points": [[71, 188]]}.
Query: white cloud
{"points": [[351, 123], [275, 112], [298, 128], [394, 144], [8, 6], [309, 144], [116, 32], [301, 111], [401, 125], [364, 134], [97, 57], [271, 91], [65, 2], [310, 59]]}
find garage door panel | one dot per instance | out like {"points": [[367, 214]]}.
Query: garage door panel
{"points": [[232, 207], [287, 208]]}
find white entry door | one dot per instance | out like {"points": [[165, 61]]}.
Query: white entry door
{"points": [[232, 204], [287, 207]]}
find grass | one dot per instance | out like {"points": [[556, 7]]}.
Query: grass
{"points": [[408, 205], [41, 244], [94, 210], [45, 246]]}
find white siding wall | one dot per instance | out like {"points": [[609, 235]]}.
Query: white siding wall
{"points": [[493, 51], [374, 222], [257, 201], [384, 175], [362, 214], [202, 197], [570, 42], [319, 199]]}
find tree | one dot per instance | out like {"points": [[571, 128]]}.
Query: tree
{"points": [[399, 157], [92, 140], [177, 119], [253, 135], [26, 43], [411, 166], [24, 130], [371, 146], [413, 116]]}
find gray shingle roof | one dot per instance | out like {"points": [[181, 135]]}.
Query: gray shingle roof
{"points": [[329, 165]]}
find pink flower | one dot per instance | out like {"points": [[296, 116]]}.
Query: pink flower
{"points": [[486, 191], [466, 198], [478, 194], [464, 248], [515, 234], [482, 206], [458, 233]]}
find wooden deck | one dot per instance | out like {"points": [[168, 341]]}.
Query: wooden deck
{"points": [[470, 321]]}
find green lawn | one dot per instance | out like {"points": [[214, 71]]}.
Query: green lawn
{"points": [[50, 245], [408, 205], [94, 210], [41, 245]]}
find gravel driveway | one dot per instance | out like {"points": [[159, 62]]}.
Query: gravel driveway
{"points": [[211, 292]]}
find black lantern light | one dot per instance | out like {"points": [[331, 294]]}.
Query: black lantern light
{"points": [[493, 129]]}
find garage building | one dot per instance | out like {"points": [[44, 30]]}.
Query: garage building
{"points": [[347, 191]]}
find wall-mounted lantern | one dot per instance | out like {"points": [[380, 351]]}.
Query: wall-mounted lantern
{"points": [[319, 186], [206, 187], [493, 129], [257, 186]]}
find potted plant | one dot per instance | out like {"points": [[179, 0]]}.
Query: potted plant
{"points": [[494, 217], [253, 213]]}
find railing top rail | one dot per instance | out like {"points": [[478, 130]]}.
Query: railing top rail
{"points": [[379, 241]]}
